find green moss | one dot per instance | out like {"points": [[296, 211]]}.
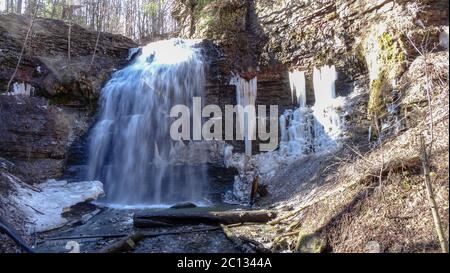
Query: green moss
{"points": [[217, 18], [310, 243], [390, 60]]}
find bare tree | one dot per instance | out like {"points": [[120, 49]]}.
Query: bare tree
{"points": [[19, 6]]}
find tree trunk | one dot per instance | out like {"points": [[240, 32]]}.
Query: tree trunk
{"points": [[19, 7], [170, 218]]}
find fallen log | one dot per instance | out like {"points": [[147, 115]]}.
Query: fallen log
{"points": [[124, 245], [172, 218]]}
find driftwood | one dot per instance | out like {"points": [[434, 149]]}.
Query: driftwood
{"points": [[11, 233], [170, 218], [124, 245]]}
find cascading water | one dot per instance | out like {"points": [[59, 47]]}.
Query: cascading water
{"points": [[131, 149]]}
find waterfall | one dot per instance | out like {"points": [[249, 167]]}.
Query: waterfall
{"points": [[246, 94], [131, 150], [306, 129]]}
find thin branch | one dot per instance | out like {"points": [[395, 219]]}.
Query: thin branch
{"points": [[433, 206]]}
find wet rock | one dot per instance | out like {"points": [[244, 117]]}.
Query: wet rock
{"points": [[36, 136], [184, 205]]}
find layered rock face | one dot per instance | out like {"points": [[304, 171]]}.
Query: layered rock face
{"points": [[51, 101], [45, 65], [362, 38], [369, 42]]}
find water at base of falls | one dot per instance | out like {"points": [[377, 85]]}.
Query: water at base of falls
{"points": [[131, 150]]}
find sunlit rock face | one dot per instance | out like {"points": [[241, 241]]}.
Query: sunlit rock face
{"points": [[131, 147]]}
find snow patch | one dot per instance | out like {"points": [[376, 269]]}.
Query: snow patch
{"points": [[21, 89], [44, 208]]}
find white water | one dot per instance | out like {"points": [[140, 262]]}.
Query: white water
{"points": [[131, 149]]}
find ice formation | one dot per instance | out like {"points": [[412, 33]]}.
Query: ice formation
{"points": [[22, 89], [304, 130], [298, 87], [246, 94]]}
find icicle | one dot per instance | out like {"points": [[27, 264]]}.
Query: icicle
{"points": [[228, 156], [329, 126], [246, 94], [298, 87], [306, 129]]}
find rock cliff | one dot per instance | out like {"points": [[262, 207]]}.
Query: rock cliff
{"points": [[55, 107]]}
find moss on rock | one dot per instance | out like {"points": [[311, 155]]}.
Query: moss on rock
{"points": [[219, 20], [385, 57], [310, 243]]}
